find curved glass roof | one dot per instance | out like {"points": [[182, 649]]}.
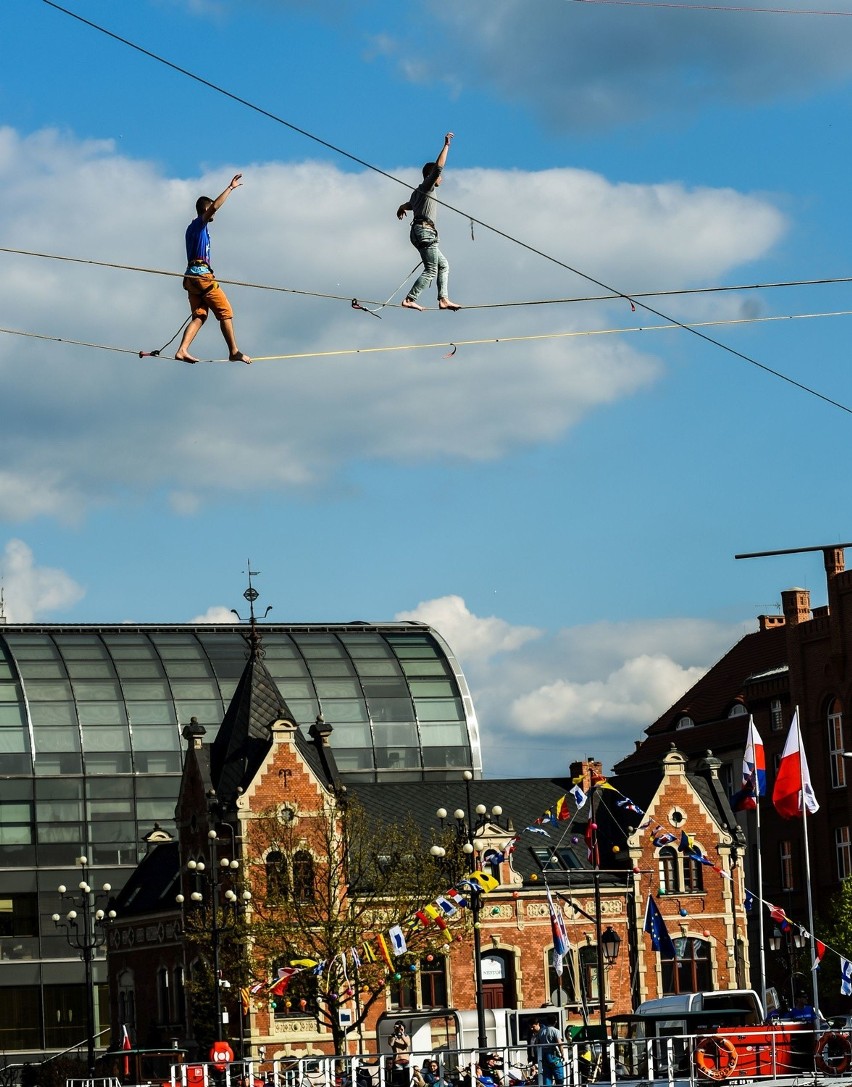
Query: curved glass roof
{"points": [[91, 719]]}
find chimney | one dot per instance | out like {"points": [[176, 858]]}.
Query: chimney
{"points": [[769, 622], [835, 561], [590, 770], [797, 606]]}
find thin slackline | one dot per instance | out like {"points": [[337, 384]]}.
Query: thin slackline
{"points": [[576, 334], [65, 339], [674, 292], [693, 330]]}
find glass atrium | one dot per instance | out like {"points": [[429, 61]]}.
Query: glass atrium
{"points": [[91, 753]]}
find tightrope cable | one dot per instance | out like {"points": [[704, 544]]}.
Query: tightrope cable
{"points": [[694, 330], [824, 281]]}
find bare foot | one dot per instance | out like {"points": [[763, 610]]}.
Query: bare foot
{"points": [[445, 303], [182, 356], [409, 303], [240, 357]]}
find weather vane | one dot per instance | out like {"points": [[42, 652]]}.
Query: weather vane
{"points": [[251, 594]]}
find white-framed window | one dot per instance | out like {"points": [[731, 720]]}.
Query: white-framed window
{"points": [[776, 715], [843, 852], [836, 762]]}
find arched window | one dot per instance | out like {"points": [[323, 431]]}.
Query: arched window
{"points": [[127, 999], [493, 859], [303, 876], [178, 989], [589, 972], [836, 746], [277, 882], [693, 873], [669, 869], [690, 972], [164, 1010]]}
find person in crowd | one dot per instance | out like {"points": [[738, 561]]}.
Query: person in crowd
{"points": [[549, 1052], [400, 1047]]}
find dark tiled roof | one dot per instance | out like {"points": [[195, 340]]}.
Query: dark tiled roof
{"points": [[153, 884], [245, 735], [523, 800]]}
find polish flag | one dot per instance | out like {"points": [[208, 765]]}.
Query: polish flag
{"points": [[793, 791]]}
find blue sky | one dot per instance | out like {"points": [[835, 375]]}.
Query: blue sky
{"points": [[564, 507]]}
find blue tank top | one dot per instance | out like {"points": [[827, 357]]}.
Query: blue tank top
{"points": [[198, 241]]}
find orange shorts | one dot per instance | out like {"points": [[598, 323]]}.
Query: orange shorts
{"points": [[205, 294]]}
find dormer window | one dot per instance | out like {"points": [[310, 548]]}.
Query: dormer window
{"points": [[684, 722], [737, 710]]}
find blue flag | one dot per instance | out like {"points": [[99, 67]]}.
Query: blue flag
{"points": [[845, 976], [655, 926]]}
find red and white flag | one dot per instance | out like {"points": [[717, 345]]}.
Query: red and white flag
{"points": [[793, 791], [126, 1044]]}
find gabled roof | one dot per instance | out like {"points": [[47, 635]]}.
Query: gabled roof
{"points": [[245, 735], [642, 786]]}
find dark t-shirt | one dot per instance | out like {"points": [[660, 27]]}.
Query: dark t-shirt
{"points": [[423, 203]]}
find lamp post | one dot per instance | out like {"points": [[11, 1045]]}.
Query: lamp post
{"points": [[225, 906], [85, 928], [608, 941], [465, 828], [786, 945]]}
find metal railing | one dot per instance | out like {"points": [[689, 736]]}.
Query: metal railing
{"points": [[776, 1054]]}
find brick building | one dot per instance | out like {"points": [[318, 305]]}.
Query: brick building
{"points": [[527, 833], [800, 659]]}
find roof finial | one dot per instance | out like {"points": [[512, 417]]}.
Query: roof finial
{"points": [[251, 594]]}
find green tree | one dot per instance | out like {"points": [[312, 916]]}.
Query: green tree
{"points": [[836, 932], [232, 939], [323, 884]]}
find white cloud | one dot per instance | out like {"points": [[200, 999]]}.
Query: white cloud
{"points": [[545, 699], [471, 637], [81, 425], [31, 591], [584, 66], [633, 694], [216, 613]]}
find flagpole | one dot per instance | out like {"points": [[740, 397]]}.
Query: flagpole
{"points": [[761, 933], [814, 976]]}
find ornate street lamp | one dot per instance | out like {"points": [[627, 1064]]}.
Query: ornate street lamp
{"points": [[466, 824], [85, 928], [610, 942], [214, 887], [786, 945]]}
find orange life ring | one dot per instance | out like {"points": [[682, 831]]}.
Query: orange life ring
{"points": [[833, 1053], [716, 1057]]}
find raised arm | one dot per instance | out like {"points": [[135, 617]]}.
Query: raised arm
{"points": [[442, 158], [223, 196]]}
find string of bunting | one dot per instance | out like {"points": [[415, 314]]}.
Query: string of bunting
{"points": [[383, 946]]}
